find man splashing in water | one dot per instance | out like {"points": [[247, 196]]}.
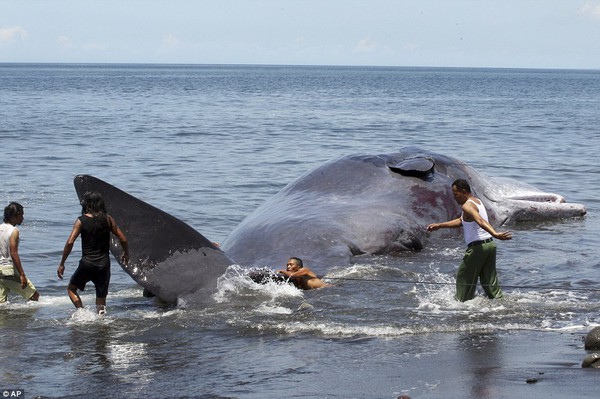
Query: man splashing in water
{"points": [[301, 276]]}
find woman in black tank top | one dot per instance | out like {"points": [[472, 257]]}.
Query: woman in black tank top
{"points": [[94, 226], [95, 240]]}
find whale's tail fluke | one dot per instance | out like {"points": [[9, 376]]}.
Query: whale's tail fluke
{"points": [[167, 257]]}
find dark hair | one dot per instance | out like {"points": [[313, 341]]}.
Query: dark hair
{"points": [[462, 184], [93, 203], [298, 261], [13, 209]]}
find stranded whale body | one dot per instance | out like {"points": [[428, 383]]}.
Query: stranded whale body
{"points": [[377, 204], [355, 205]]}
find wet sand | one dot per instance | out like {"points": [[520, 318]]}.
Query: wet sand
{"points": [[520, 364], [472, 365]]}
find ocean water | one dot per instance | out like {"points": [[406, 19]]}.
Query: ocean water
{"points": [[209, 144]]}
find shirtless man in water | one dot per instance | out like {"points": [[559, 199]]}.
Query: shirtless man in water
{"points": [[301, 276]]}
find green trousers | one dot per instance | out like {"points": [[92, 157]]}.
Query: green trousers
{"points": [[479, 262]]}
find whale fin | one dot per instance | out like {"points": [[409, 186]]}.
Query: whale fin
{"points": [[167, 257], [421, 167]]}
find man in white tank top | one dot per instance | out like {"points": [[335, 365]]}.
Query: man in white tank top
{"points": [[479, 261], [12, 275]]}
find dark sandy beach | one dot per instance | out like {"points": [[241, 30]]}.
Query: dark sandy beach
{"points": [[519, 364]]}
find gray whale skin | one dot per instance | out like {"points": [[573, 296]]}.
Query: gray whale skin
{"points": [[353, 206]]}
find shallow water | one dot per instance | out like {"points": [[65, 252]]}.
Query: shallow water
{"points": [[208, 144]]}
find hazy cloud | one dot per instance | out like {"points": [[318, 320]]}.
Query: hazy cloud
{"points": [[12, 33], [64, 41], [366, 45], [170, 40], [592, 9], [410, 46]]}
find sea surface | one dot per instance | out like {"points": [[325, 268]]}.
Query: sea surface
{"points": [[210, 143]]}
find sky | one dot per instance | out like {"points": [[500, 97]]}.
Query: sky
{"points": [[563, 34]]}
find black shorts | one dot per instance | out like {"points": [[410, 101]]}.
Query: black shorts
{"points": [[85, 273]]}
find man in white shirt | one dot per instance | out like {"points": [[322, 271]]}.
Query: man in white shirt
{"points": [[479, 261], [12, 275]]}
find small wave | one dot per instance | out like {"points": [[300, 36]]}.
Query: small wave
{"points": [[585, 326], [353, 271], [57, 309], [236, 284], [345, 330], [160, 314], [340, 330], [373, 272], [44, 301], [267, 309], [128, 293]]}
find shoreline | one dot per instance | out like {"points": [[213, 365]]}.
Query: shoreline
{"points": [[515, 364]]}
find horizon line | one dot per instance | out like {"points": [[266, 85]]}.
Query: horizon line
{"points": [[176, 64]]}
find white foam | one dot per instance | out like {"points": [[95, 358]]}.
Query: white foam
{"points": [[159, 314], [87, 315], [44, 301], [235, 285], [353, 271], [270, 309], [135, 292]]}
